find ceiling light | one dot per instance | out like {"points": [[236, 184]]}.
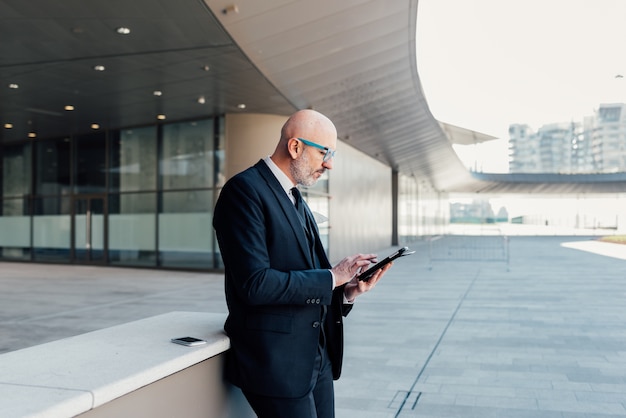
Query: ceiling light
{"points": [[230, 9], [13, 86], [69, 107], [161, 117], [32, 135], [99, 68], [157, 93], [206, 68], [8, 126], [95, 126], [241, 106], [123, 30], [201, 100]]}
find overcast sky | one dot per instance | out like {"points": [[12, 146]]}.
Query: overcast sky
{"points": [[485, 64]]}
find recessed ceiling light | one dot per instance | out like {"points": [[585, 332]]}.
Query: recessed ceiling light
{"points": [[99, 68], [13, 86], [241, 106], [95, 126], [69, 107], [123, 30], [161, 117], [233, 8], [157, 93], [201, 100], [32, 135], [8, 126], [206, 68]]}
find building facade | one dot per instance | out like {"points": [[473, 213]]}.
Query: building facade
{"points": [[144, 196], [595, 145], [608, 138]]}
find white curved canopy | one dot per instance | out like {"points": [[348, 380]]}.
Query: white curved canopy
{"points": [[353, 60]]}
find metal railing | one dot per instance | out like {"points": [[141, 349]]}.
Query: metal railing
{"points": [[486, 248]]}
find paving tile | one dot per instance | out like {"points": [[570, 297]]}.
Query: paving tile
{"points": [[540, 337]]}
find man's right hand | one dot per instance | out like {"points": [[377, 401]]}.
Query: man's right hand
{"points": [[347, 268]]}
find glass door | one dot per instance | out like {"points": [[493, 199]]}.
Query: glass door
{"points": [[89, 229]]}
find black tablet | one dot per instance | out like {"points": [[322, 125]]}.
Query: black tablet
{"points": [[366, 275]]}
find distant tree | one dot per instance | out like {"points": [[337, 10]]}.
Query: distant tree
{"points": [[503, 215]]}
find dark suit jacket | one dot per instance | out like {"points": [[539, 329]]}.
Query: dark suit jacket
{"points": [[274, 291]]}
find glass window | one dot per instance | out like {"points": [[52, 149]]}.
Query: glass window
{"points": [[187, 156], [52, 173], [220, 154], [408, 209], [317, 198], [91, 163], [320, 206], [15, 229], [185, 231], [132, 229], [16, 170], [51, 229], [89, 235], [133, 160]]}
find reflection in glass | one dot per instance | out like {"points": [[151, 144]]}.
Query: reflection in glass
{"points": [[187, 160], [133, 160], [220, 154], [52, 173], [16, 170], [91, 163]]}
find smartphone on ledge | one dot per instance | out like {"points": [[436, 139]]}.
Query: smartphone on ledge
{"points": [[366, 275], [188, 341]]}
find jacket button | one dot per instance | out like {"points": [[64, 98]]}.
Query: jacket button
{"points": [[308, 301], [317, 301], [316, 324]]}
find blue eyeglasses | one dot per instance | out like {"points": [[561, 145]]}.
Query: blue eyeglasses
{"points": [[329, 153]]}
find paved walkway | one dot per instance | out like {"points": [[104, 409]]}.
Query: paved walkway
{"points": [[541, 336]]}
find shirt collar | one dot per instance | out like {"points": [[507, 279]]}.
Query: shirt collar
{"points": [[282, 178]]}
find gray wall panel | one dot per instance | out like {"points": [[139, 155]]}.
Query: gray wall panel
{"points": [[360, 205]]}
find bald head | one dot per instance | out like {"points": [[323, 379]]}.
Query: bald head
{"points": [[308, 124], [311, 126]]}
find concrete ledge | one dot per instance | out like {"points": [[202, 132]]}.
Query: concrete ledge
{"points": [[69, 377]]}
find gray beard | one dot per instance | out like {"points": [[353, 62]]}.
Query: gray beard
{"points": [[299, 171]]}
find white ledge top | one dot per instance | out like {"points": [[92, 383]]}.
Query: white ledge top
{"points": [[68, 377]]}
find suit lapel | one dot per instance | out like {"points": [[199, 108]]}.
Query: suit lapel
{"points": [[291, 215]]}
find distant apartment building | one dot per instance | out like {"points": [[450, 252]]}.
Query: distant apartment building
{"points": [[595, 145], [523, 150], [555, 147], [608, 138], [582, 156], [549, 150]]}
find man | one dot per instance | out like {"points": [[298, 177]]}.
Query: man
{"points": [[285, 300]]}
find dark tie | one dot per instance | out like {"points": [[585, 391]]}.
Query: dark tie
{"points": [[308, 229], [299, 203], [306, 222]]}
